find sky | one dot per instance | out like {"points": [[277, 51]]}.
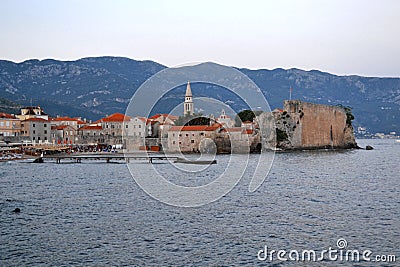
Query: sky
{"points": [[341, 37]]}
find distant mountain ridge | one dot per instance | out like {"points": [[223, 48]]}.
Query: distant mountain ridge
{"points": [[96, 86]]}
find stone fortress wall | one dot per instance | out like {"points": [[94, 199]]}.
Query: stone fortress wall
{"points": [[304, 125]]}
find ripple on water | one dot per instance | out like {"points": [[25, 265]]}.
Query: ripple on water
{"points": [[96, 215]]}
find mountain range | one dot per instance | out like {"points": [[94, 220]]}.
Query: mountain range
{"points": [[96, 86]]}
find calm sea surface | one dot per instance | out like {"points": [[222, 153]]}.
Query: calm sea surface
{"points": [[94, 214]]}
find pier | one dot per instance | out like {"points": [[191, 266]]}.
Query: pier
{"points": [[77, 158]]}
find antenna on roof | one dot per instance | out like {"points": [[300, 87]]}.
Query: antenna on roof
{"points": [[290, 93]]}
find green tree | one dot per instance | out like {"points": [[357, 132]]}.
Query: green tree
{"points": [[198, 121], [246, 115], [195, 119], [349, 114]]}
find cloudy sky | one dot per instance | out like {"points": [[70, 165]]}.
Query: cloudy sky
{"points": [[341, 37]]}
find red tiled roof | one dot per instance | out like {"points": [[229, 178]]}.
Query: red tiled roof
{"points": [[155, 116], [248, 131], [89, 128], [6, 116], [116, 117], [152, 122], [234, 129], [195, 128], [61, 127], [36, 119], [171, 117], [142, 119], [68, 119], [64, 119], [247, 122]]}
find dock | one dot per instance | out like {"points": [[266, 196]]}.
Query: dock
{"points": [[107, 157]]}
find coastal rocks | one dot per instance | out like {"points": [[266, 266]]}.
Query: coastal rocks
{"points": [[349, 138], [369, 148]]}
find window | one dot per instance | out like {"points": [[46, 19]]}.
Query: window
{"points": [[192, 141], [7, 124], [134, 126], [45, 131], [33, 125], [140, 134], [33, 138], [33, 131], [126, 126], [173, 142], [187, 134], [2, 123], [140, 126], [45, 125]]}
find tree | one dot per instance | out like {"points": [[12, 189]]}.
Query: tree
{"points": [[198, 121], [246, 115], [349, 114], [195, 119]]}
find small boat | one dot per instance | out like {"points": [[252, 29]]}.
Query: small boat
{"points": [[199, 162]]}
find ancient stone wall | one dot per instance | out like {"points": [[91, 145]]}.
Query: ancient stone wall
{"points": [[318, 125], [302, 125]]}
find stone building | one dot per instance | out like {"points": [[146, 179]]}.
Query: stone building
{"points": [[191, 138], [90, 135], [32, 112], [225, 120], [137, 127], [74, 122], [64, 130], [114, 127], [237, 140], [302, 125], [63, 134], [37, 129], [10, 126], [164, 118]]}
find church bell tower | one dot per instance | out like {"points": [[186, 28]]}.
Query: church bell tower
{"points": [[188, 104]]}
